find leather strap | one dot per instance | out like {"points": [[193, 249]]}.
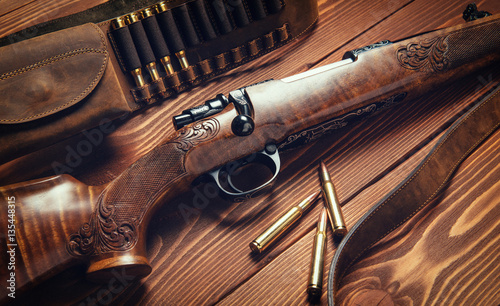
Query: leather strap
{"points": [[419, 188], [96, 14]]}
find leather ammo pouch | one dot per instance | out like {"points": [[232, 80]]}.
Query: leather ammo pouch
{"points": [[89, 67]]}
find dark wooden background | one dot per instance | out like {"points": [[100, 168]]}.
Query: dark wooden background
{"points": [[447, 254]]}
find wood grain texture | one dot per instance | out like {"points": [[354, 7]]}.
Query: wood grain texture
{"points": [[9, 6], [198, 243], [446, 254], [40, 11], [44, 218]]}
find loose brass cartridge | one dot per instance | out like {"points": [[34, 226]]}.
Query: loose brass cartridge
{"points": [[271, 234], [318, 255], [332, 203]]}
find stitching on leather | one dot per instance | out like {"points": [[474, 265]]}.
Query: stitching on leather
{"points": [[237, 54], [208, 64], [117, 50], [258, 44], [212, 19], [471, 148], [306, 29], [194, 21], [101, 34], [188, 71], [83, 93], [266, 10], [58, 58], [247, 10], [228, 65], [49, 61], [232, 21], [221, 56], [252, 48]]}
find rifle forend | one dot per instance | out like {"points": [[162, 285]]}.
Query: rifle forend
{"points": [[60, 222]]}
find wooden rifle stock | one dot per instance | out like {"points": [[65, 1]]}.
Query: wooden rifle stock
{"points": [[59, 221]]}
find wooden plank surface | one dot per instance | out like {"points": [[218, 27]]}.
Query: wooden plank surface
{"points": [[198, 245], [9, 6], [24, 14]]}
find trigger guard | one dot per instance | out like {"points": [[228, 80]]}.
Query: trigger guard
{"points": [[272, 161]]}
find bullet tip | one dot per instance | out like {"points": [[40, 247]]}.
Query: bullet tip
{"points": [[324, 214], [313, 197], [323, 219], [323, 172], [322, 166], [309, 201]]}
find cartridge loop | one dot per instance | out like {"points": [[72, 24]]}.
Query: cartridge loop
{"points": [[177, 35]]}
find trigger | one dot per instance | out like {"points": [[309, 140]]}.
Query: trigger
{"points": [[268, 157]]}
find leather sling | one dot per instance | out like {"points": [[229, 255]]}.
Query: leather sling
{"points": [[419, 188]]}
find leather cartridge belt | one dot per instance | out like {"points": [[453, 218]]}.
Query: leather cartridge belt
{"points": [[120, 56]]}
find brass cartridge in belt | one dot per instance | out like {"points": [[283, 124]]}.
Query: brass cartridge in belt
{"points": [[132, 17], [271, 234], [151, 66], [138, 78], [181, 54], [165, 60], [147, 12], [162, 7], [332, 203], [167, 64], [318, 257], [121, 22]]}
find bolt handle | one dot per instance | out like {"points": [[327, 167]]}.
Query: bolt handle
{"points": [[243, 124]]}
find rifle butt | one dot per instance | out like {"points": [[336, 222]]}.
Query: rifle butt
{"points": [[59, 222], [36, 217]]}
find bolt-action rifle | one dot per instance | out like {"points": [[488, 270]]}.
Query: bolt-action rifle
{"points": [[57, 222]]}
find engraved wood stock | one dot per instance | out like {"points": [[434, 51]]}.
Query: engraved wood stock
{"points": [[61, 222]]}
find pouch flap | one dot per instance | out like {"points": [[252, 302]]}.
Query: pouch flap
{"points": [[47, 74]]}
